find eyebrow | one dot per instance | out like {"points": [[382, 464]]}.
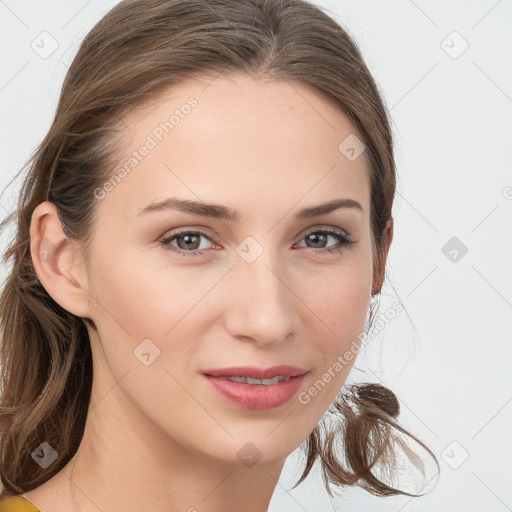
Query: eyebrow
{"points": [[217, 211]]}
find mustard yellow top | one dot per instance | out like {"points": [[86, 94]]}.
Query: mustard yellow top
{"points": [[16, 504]]}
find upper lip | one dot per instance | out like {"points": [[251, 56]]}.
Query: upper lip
{"points": [[256, 373]]}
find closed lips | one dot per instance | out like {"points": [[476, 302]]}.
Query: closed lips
{"points": [[250, 380], [259, 389], [253, 375]]}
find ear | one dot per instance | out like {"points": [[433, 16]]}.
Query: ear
{"points": [[56, 261], [387, 238]]}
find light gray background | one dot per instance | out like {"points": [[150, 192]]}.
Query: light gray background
{"points": [[448, 355]]}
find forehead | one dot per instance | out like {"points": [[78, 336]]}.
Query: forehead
{"points": [[239, 141]]}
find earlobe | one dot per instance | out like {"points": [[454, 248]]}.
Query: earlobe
{"points": [[53, 258]]}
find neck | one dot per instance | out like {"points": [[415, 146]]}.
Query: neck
{"points": [[126, 462]]}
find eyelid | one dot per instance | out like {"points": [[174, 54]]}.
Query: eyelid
{"points": [[210, 234], [190, 229], [201, 231], [343, 236], [322, 227]]}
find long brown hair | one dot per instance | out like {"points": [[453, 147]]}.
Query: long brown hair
{"points": [[137, 49]]}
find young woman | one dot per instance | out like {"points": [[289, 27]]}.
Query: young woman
{"points": [[201, 242]]}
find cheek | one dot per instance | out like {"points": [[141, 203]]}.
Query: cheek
{"points": [[340, 308], [339, 300], [147, 296], [140, 298], [144, 313]]}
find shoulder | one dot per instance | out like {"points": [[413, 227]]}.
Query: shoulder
{"points": [[16, 504]]}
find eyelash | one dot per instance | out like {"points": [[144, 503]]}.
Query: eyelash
{"points": [[343, 242]]}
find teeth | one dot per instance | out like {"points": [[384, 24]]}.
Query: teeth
{"points": [[249, 380]]}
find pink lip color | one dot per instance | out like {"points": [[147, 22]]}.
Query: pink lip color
{"points": [[257, 396]]}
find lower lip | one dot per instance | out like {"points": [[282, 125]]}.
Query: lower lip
{"points": [[257, 397]]}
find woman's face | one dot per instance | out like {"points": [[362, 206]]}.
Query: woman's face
{"points": [[180, 293]]}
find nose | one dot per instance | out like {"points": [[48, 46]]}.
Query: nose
{"points": [[262, 307]]}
